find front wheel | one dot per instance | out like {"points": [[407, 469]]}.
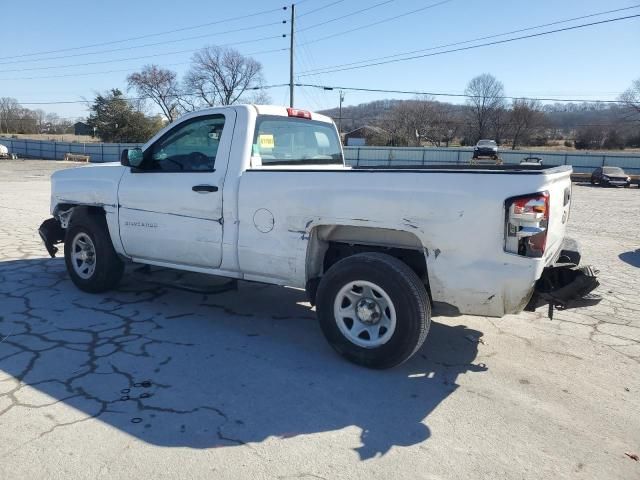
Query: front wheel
{"points": [[373, 309], [92, 262]]}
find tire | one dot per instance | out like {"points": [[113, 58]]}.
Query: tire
{"points": [[100, 269], [400, 311], [593, 182]]}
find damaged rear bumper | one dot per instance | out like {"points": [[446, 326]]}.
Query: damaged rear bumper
{"points": [[51, 233], [565, 285]]}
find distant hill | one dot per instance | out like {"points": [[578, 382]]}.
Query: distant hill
{"points": [[585, 125], [562, 116]]}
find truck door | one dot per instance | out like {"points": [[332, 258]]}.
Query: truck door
{"points": [[170, 208]]}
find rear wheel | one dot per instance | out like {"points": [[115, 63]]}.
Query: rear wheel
{"points": [[92, 262], [373, 309]]}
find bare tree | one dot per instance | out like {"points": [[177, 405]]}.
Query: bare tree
{"points": [[392, 122], [486, 102], [220, 76], [260, 97], [525, 117], [442, 124], [160, 86], [590, 137], [405, 123], [40, 117], [9, 113], [631, 96], [414, 122]]}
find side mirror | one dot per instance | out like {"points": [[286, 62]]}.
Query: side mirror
{"points": [[131, 157]]}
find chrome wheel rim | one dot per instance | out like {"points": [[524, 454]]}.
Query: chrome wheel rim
{"points": [[365, 314], [83, 256]]}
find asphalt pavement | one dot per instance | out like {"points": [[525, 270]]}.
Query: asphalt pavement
{"points": [[154, 381]]}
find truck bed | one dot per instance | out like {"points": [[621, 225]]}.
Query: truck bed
{"points": [[453, 213], [524, 169], [444, 168], [492, 169]]}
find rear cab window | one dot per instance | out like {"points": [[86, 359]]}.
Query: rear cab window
{"points": [[295, 141]]}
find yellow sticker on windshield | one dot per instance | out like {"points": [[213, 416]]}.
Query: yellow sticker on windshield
{"points": [[266, 141]]}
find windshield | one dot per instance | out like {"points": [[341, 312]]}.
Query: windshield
{"points": [[296, 141], [613, 171], [487, 143]]}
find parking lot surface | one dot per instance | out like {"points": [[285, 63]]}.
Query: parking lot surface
{"points": [[152, 381]]}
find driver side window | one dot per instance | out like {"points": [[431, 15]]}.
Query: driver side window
{"points": [[189, 147]]}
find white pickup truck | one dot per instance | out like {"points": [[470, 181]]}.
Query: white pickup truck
{"points": [[261, 193]]}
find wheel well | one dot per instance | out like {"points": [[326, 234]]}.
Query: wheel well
{"points": [[330, 244], [414, 259], [90, 209], [78, 209]]}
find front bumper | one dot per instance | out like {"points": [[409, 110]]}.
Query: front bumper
{"points": [[616, 183], [51, 233], [482, 152]]}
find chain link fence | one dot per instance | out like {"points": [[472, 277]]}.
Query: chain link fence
{"points": [[50, 150], [582, 162]]}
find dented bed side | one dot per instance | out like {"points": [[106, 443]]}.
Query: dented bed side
{"points": [[455, 220]]}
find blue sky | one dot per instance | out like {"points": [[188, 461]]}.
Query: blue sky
{"points": [[596, 62]]}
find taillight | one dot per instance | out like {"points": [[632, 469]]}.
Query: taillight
{"points": [[526, 223], [294, 112]]}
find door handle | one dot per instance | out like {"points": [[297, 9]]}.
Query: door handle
{"points": [[204, 188]]}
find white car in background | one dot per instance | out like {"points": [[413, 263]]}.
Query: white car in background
{"points": [[4, 152]]}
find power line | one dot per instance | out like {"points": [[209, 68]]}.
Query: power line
{"points": [[165, 42], [320, 8], [385, 20], [147, 97], [141, 57], [102, 72], [346, 15], [358, 89], [294, 31], [497, 42], [614, 122], [487, 37], [318, 95], [112, 42], [440, 94], [312, 95]]}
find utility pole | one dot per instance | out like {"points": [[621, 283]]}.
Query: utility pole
{"points": [[291, 51], [340, 112]]}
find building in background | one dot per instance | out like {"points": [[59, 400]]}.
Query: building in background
{"points": [[81, 128], [367, 135]]}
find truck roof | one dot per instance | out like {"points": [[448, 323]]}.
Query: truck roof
{"points": [[277, 110], [282, 111]]}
